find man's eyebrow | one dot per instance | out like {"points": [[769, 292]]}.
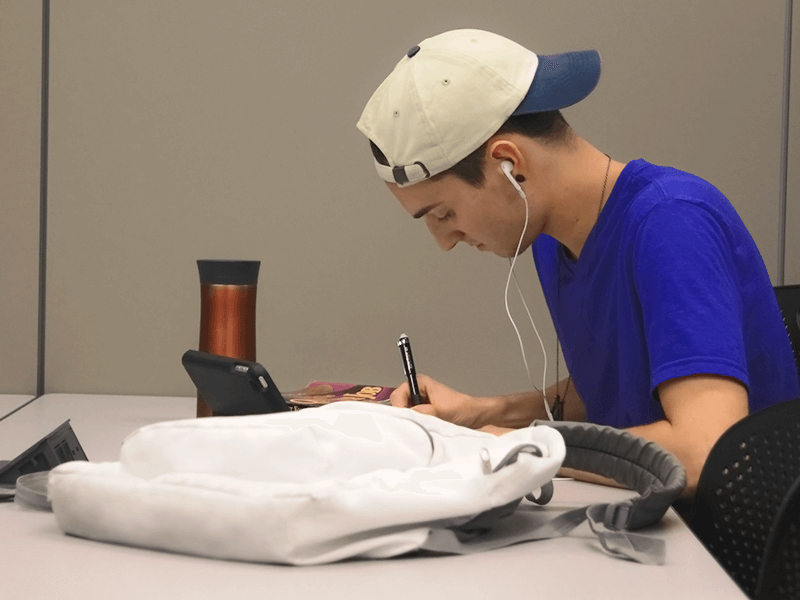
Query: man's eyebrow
{"points": [[424, 211]]}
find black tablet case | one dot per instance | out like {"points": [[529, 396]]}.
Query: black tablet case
{"points": [[232, 386]]}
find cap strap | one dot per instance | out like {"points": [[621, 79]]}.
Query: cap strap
{"points": [[402, 176]]}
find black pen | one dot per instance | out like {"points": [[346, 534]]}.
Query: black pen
{"points": [[408, 368]]}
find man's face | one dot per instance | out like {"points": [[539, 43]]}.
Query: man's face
{"points": [[489, 218]]}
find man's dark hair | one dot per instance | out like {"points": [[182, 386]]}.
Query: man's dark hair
{"points": [[548, 127]]}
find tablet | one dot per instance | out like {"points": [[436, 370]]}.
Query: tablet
{"points": [[232, 386]]}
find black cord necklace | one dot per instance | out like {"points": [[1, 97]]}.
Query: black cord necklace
{"points": [[558, 403]]}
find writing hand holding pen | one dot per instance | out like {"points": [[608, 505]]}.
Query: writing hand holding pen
{"points": [[430, 397], [441, 401]]}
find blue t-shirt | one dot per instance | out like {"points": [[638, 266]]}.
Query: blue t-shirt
{"points": [[669, 283]]}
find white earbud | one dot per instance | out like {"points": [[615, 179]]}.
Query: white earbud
{"points": [[506, 166]]}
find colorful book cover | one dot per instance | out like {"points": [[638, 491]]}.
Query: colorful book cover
{"points": [[318, 393]]}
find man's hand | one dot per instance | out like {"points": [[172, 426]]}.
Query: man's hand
{"points": [[495, 429], [443, 402], [506, 412]]}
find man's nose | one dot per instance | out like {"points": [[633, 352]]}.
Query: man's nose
{"points": [[445, 237]]}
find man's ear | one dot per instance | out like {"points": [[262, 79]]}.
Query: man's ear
{"points": [[504, 150]]}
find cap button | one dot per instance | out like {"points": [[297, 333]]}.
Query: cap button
{"points": [[412, 51]]}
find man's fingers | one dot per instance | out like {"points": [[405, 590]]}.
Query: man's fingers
{"points": [[401, 396]]}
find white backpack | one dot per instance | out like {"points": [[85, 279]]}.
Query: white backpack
{"points": [[355, 480]]}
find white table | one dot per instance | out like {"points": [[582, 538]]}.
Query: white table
{"points": [[11, 402], [101, 423], [41, 562]]}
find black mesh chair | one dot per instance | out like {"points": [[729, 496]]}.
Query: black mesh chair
{"points": [[789, 302], [780, 573], [746, 510]]}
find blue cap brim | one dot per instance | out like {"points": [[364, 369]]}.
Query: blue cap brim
{"points": [[561, 80]]}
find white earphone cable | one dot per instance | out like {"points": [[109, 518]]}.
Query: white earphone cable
{"points": [[508, 311], [541, 343]]}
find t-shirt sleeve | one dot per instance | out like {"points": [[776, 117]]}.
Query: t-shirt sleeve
{"points": [[686, 279]]}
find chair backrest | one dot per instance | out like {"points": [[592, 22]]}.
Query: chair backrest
{"points": [[742, 486], [779, 578], [789, 303]]}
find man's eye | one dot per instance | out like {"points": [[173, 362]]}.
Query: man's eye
{"points": [[446, 217]]}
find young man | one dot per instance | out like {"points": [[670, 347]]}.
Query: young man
{"points": [[661, 301]]}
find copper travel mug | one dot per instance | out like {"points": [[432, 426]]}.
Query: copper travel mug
{"points": [[227, 311]]}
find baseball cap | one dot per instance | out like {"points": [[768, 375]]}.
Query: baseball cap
{"points": [[452, 92]]}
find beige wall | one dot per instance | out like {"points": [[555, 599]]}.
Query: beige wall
{"points": [[793, 187], [200, 129], [20, 116]]}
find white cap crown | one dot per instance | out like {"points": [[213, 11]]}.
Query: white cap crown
{"points": [[444, 99]]}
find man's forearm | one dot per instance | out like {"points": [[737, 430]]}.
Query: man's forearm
{"points": [[520, 410], [665, 435], [698, 410]]}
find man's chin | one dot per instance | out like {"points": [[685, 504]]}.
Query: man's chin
{"points": [[504, 253], [483, 248], [510, 252]]}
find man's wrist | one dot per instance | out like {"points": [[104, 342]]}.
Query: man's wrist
{"points": [[489, 411], [515, 411]]}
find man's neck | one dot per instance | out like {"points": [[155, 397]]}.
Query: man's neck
{"points": [[585, 179]]}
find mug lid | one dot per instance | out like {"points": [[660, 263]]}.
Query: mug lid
{"points": [[228, 272]]}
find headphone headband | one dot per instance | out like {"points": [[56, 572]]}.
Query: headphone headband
{"points": [[636, 463]]}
